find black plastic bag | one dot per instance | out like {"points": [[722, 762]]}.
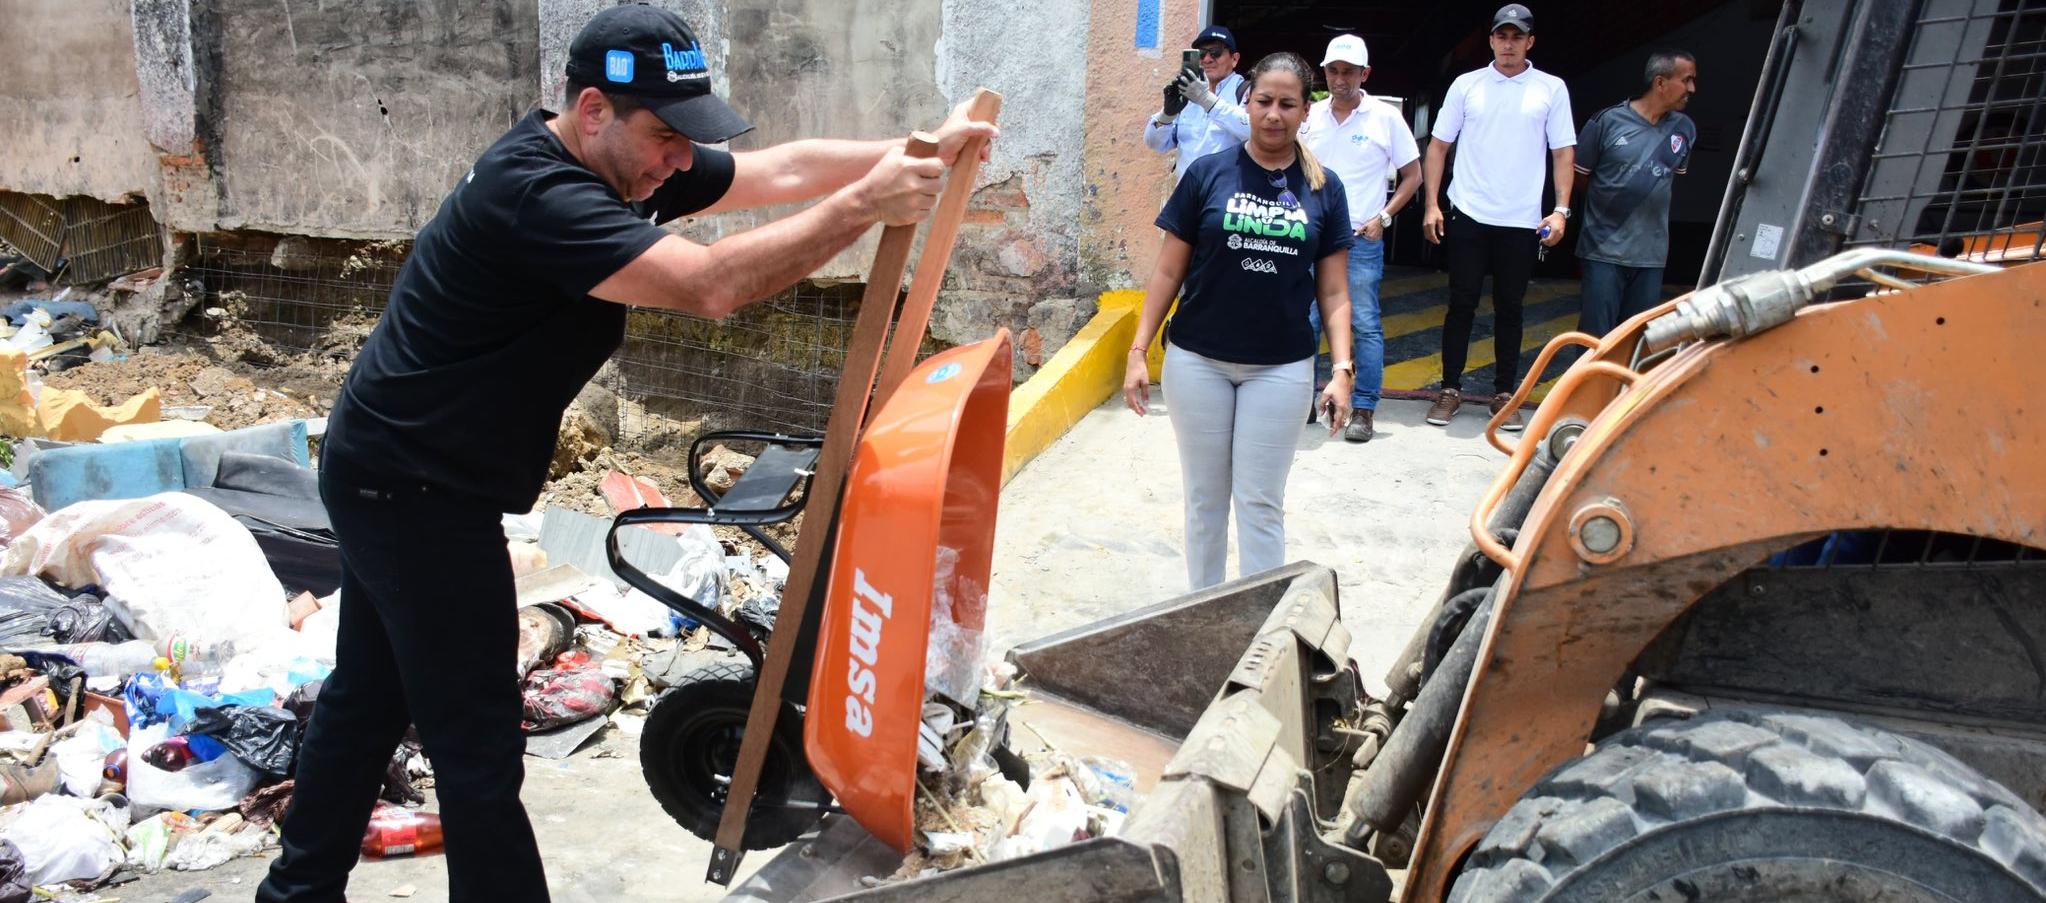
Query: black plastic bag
{"points": [[87, 619], [265, 738], [301, 700], [26, 604], [14, 886]]}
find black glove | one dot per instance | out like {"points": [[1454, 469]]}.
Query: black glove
{"points": [[1174, 101]]}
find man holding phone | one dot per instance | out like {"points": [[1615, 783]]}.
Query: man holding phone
{"points": [[1203, 111]]}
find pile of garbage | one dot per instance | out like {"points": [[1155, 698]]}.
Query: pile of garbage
{"points": [[160, 656], [977, 801]]}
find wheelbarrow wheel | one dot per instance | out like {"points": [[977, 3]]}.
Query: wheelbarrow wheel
{"points": [[691, 745]]}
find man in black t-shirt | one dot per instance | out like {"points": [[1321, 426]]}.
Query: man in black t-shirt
{"points": [[513, 296]]}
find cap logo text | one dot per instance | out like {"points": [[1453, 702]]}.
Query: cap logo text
{"points": [[689, 61], [618, 66]]}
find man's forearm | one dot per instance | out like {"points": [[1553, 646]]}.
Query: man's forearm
{"points": [[1410, 182], [1234, 119], [1431, 173], [714, 281], [818, 166], [759, 263], [1563, 161]]}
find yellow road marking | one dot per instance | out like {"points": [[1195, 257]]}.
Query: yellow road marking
{"points": [[1413, 374], [1415, 321]]}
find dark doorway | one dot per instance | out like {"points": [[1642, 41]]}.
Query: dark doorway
{"points": [[1597, 47]]}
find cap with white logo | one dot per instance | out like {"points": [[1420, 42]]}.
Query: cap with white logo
{"points": [[1515, 15], [1347, 49], [652, 55]]}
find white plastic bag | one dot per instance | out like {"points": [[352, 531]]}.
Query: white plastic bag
{"points": [[171, 564], [698, 574], [81, 757], [206, 849], [211, 786], [64, 838]]}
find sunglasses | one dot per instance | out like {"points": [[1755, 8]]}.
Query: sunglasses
{"points": [[1286, 196], [1214, 53]]}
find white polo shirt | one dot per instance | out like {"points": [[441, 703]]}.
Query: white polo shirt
{"points": [[1371, 142], [1504, 129]]}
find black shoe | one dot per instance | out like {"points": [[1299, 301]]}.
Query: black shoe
{"points": [[1359, 429]]}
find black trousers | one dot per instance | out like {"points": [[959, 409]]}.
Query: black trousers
{"points": [[1507, 253], [428, 635]]}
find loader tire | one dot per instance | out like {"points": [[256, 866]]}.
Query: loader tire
{"points": [[691, 742], [1755, 806]]}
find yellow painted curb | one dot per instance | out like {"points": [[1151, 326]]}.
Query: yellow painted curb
{"points": [[1082, 375]]}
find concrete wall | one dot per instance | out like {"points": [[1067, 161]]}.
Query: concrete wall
{"points": [[353, 119], [881, 68], [69, 98], [1125, 182], [350, 118]]}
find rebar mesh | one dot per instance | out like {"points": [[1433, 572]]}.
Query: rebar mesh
{"points": [[1961, 167], [774, 365]]}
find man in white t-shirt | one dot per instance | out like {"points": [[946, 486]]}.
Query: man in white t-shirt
{"points": [[1203, 111], [1505, 115], [1361, 139]]}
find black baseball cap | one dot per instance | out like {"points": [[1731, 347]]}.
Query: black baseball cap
{"points": [[652, 56], [1515, 15], [1215, 33]]}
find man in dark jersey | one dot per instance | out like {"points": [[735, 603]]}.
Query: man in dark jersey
{"points": [[513, 296], [1627, 157]]}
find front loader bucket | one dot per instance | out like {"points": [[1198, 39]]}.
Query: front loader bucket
{"points": [[1230, 729]]}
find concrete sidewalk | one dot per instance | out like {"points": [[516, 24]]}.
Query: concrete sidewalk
{"points": [[1093, 527]]}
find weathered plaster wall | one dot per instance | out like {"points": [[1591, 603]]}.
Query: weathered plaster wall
{"points": [[880, 68], [353, 119], [1125, 183], [795, 69], [1020, 246], [69, 98]]}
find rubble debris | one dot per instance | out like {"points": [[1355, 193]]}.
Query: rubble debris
{"points": [[571, 691]]}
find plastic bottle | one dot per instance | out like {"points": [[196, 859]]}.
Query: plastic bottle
{"points": [[190, 657], [397, 831], [112, 659]]}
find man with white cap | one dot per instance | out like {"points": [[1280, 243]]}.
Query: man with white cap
{"points": [[1362, 139], [1508, 117]]}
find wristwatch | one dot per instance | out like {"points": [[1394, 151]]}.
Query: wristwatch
{"points": [[1564, 212], [1349, 367], [1385, 219]]}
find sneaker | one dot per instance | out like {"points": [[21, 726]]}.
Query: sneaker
{"points": [[1359, 429], [1445, 407], [1512, 423]]}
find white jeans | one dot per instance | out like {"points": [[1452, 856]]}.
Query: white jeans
{"points": [[1237, 426]]}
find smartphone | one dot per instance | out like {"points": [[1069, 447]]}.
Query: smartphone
{"points": [[1190, 58]]}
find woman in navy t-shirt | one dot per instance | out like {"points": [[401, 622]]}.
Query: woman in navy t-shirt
{"points": [[1252, 238]]}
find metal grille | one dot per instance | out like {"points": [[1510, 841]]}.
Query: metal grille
{"points": [[774, 365], [80, 239], [1907, 548], [33, 227], [104, 240], [1961, 165]]}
